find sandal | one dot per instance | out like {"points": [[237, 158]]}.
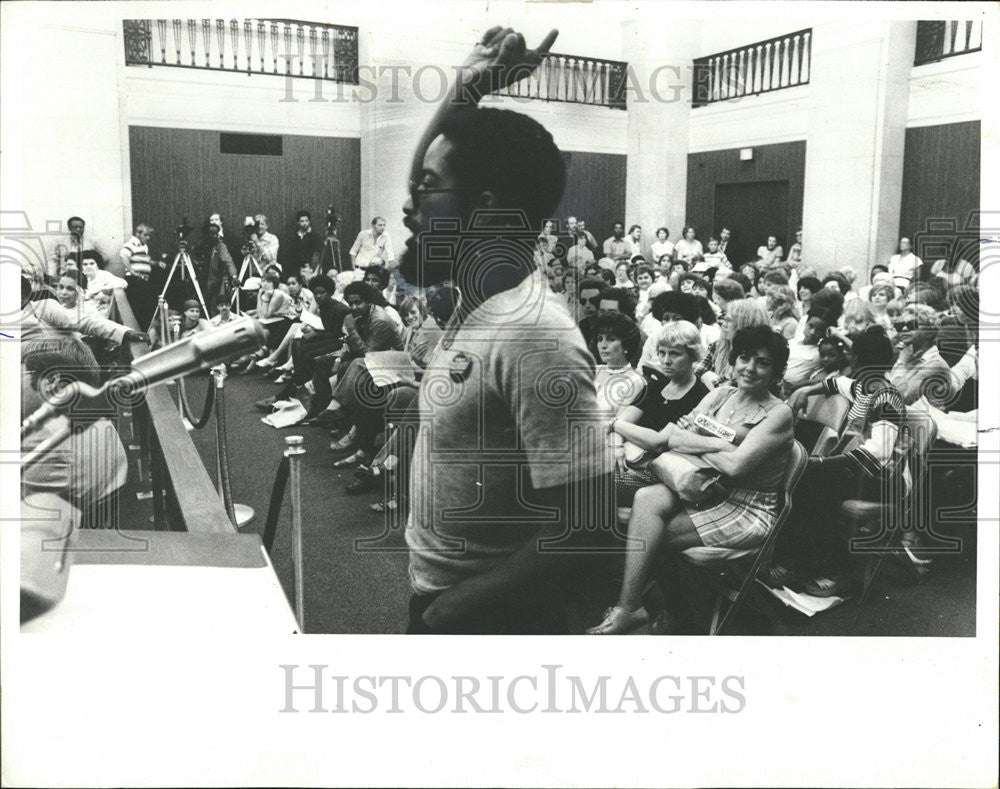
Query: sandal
{"points": [[777, 575], [618, 621], [351, 460], [346, 442], [383, 506]]}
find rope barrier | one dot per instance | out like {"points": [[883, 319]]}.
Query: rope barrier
{"points": [[222, 448], [210, 401], [274, 508]]}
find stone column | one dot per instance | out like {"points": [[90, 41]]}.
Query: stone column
{"points": [[659, 106], [858, 97]]}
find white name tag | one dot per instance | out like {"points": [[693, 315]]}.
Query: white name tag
{"points": [[709, 425]]}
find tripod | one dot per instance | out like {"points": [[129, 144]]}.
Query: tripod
{"points": [[248, 260], [183, 260], [331, 252]]}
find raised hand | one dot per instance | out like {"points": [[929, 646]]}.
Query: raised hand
{"points": [[500, 59]]}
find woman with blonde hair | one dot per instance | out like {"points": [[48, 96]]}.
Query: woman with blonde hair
{"points": [[740, 314], [784, 314]]}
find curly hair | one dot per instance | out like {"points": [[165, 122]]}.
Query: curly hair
{"points": [[757, 338], [621, 327]]}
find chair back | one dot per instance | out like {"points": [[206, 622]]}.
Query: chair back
{"points": [[828, 410]]}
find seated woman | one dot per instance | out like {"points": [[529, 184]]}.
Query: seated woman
{"points": [[663, 401], [616, 346], [275, 310], [740, 314], [752, 466], [919, 369], [878, 299], [784, 314], [68, 291], [874, 462], [97, 279]]}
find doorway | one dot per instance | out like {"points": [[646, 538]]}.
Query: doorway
{"points": [[752, 211]]}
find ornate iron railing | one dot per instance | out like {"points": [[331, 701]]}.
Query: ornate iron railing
{"points": [[937, 40], [574, 79], [750, 70], [282, 47]]}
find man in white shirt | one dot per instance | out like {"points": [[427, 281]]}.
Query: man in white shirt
{"points": [[770, 254], [373, 247], [635, 240], [267, 243]]}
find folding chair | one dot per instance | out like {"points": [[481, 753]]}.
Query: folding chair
{"points": [[825, 415], [718, 565], [872, 526]]}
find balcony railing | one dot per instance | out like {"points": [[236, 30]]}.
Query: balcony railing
{"points": [[574, 79], [762, 67], [282, 47], [937, 40]]}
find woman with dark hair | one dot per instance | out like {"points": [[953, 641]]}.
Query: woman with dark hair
{"points": [[752, 465], [616, 346], [874, 462], [904, 265], [752, 273], [661, 246], [686, 249]]}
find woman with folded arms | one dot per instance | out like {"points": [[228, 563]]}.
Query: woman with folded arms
{"points": [[752, 466]]}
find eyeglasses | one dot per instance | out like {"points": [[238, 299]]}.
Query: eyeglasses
{"points": [[902, 326], [417, 189], [594, 300]]}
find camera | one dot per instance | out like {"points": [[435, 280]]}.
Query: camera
{"points": [[332, 220], [182, 230]]}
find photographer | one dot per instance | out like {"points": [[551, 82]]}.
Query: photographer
{"points": [[217, 271], [303, 247]]}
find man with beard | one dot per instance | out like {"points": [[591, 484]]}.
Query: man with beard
{"points": [[510, 462]]}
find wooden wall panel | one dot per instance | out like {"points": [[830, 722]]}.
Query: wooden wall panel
{"points": [[595, 190], [941, 189], [778, 162], [180, 172]]}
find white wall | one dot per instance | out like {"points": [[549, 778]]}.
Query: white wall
{"points": [[950, 91], [62, 148]]}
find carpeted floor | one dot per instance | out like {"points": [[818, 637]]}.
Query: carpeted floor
{"points": [[355, 560]]}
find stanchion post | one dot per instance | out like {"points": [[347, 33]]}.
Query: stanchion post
{"points": [[294, 452]]}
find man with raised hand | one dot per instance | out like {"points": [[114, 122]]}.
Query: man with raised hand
{"points": [[510, 463]]}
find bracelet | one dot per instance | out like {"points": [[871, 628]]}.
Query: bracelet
{"points": [[611, 425]]}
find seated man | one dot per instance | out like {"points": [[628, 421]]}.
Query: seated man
{"points": [[91, 464], [368, 328], [315, 344]]}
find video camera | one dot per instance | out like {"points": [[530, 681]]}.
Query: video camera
{"points": [[182, 230], [332, 221], [250, 231]]}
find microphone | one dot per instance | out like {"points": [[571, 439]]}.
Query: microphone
{"points": [[198, 352]]}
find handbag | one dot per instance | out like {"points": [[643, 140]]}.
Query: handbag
{"points": [[689, 476]]}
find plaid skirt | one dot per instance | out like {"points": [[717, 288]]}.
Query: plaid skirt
{"points": [[741, 520]]}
